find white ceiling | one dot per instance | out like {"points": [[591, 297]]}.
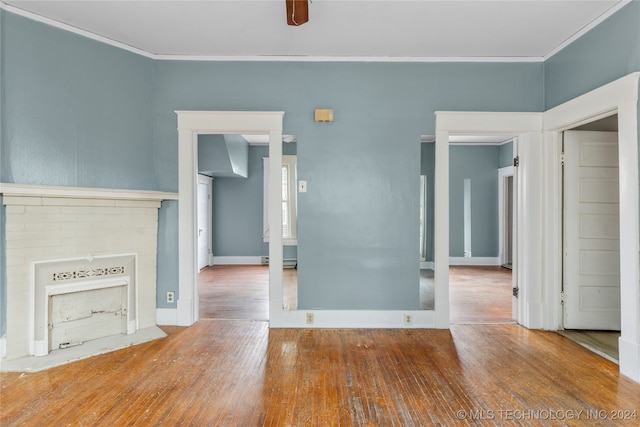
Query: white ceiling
{"points": [[337, 29]]}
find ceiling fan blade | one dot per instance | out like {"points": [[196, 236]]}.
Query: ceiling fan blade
{"points": [[297, 12]]}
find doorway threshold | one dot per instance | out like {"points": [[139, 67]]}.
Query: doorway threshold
{"points": [[603, 343]]}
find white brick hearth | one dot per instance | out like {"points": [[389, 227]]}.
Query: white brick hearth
{"points": [[49, 224]]}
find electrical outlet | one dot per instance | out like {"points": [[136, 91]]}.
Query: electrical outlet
{"points": [[171, 296], [407, 319], [309, 318]]}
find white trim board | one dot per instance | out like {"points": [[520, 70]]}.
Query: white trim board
{"points": [[190, 125], [237, 260], [527, 128], [167, 316], [621, 97], [3, 347], [503, 173], [83, 192], [474, 261], [353, 319]]}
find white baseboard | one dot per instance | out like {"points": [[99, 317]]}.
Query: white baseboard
{"points": [[474, 261], [426, 265], [629, 359], [424, 319], [167, 316], [237, 260]]}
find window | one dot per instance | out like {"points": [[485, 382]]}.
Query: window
{"points": [[289, 201]]}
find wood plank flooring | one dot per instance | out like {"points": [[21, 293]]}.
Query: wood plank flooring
{"points": [[477, 294], [604, 343], [240, 373], [242, 291], [234, 292]]}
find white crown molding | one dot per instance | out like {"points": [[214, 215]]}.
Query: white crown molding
{"points": [[394, 59], [262, 58], [295, 58], [72, 29], [590, 26]]}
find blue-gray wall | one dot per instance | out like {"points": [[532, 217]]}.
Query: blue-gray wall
{"points": [[223, 155], [3, 272], [86, 114], [606, 53], [80, 111], [480, 165], [213, 156], [3, 263], [358, 222], [238, 210], [505, 156], [238, 149]]}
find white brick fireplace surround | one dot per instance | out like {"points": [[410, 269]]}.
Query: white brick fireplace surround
{"points": [[84, 258]]}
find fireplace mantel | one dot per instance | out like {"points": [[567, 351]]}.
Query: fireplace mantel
{"points": [[83, 192], [48, 224]]}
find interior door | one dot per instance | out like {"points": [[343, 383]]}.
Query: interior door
{"points": [[204, 221], [591, 287]]}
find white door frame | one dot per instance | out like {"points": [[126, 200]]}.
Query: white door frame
{"points": [[621, 97], [503, 173], [208, 181], [527, 127], [190, 125]]}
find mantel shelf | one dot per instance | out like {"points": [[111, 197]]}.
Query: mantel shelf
{"points": [[83, 192]]}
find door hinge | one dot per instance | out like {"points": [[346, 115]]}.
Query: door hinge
{"points": [[562, 159], [516, 292], [562, 296], [516, 161]]}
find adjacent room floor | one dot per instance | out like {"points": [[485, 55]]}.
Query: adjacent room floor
{"points": [[477, 294]]}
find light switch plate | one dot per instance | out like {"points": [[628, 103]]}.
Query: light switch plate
{"points": [[302, 186]]}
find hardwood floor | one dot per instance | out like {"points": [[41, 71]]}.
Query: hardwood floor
{"points": [[480, 295], [477, 294], [242, 291], [604, 343], [241, 373], [234, 292]]}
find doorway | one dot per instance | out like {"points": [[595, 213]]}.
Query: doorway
{"points": [[480, 201], [190, 125], [590, 295], [235, 285]]}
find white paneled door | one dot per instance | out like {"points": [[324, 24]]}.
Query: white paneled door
{"points": [[204, 221], [591, 288]]}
